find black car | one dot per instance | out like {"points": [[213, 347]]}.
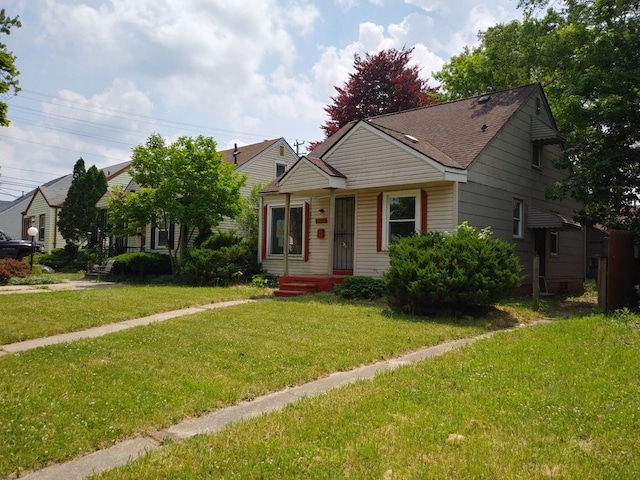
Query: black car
{"points": [[10, 248]]}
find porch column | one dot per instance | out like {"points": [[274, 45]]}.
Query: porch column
{"points": [[332, 224], [287, 219]]}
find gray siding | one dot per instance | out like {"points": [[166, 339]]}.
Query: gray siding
{"points": [[504, 172]]}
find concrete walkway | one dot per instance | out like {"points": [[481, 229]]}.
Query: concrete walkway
{"points": [[80, 284], [128, 450], [111, 327]]}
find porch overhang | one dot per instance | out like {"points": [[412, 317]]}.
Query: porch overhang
{"points": [[537, 218], [311, 175], [546, 134]]}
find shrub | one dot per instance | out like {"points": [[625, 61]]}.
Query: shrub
{"points": [[224, 266], [265, 280], [10, 268], [68, 259], [221, 239], [367, 288], [450, 270], [141, 264]]}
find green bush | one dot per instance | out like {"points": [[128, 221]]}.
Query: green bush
{"points": [[221, 239], [450, 270], [224, 266], [69, 259], [367, 288], [11, 268], [141, 264]]}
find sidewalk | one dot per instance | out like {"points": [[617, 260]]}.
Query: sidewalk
{"points": [[80, 284]]}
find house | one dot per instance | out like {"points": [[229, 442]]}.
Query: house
{"points": [[485, 160], [47, 201], [12, 220], [261, 162]]}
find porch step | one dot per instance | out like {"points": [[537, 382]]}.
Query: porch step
{"points": [[294, 285]]}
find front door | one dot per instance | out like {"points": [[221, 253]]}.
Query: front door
{"points": [[344, 235]]}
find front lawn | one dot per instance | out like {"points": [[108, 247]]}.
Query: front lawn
{"points": [[552, 401], [65, 400], [40, 314]]}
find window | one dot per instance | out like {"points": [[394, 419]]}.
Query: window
{"points": [[401, 215], [554, 242], [536, 156], [282, 150], [277, 227], [280, 168], [517, 218], [41, 226], [162, 235]]}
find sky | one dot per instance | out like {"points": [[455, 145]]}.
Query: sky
{"points": [[97, 77]]}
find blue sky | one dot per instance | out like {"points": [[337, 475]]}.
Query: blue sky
{"points": [[99, 76]]}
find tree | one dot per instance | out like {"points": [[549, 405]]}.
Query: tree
{"points": [[185, 183], [79, 218], [587, 56], [382, 83], [8, 71], [249, 218]]}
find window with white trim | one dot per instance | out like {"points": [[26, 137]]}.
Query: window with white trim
{"points": [[517, 218], [162, 234], [277, 227], [554, 243], [401, 215], [280, 168], [41, 227]]}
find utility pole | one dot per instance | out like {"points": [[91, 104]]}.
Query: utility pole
{"points": [[298, 145]]}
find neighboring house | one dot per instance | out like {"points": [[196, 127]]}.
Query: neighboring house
{"points": [[47, 201], [12, 220], [261, 162], [486, 160]]}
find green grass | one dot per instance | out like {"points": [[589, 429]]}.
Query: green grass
{"points": [[61, 401], [39, 314], [552, 401]]}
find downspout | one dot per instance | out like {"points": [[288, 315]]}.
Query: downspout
{"points": [[332, 226], [287, 215]]}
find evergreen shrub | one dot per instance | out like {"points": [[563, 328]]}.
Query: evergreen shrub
{"points": [[224, 266], [362, 287], [69, 259], [455, 271], [140, 264]]}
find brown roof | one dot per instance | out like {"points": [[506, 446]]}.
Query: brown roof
{"points": [[247, 152], [451, 133]]}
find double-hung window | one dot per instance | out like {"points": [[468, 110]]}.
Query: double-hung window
{"points": [[401, 215], [276, 234], [41, 227], [518, 212], [162, 234]]}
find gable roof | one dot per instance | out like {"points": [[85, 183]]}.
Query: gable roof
{"points": [[247, 152], [54, 197], [452, 133]]}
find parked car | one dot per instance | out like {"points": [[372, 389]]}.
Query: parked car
{"points": [[10, 248]]}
